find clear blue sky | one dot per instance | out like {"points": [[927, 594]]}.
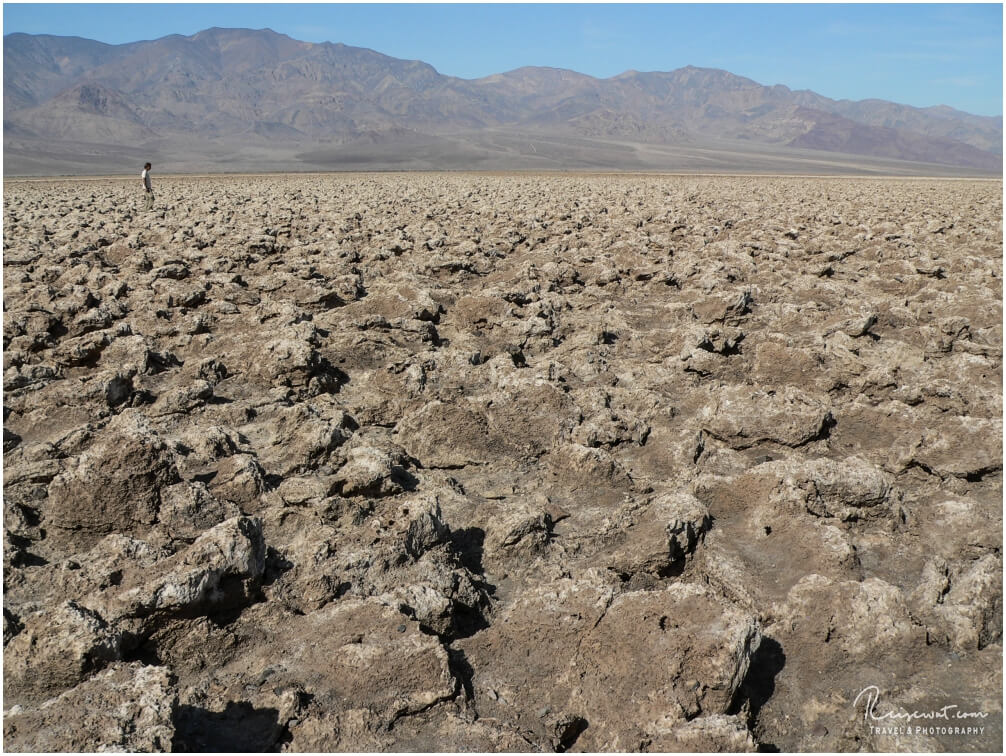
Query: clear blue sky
{"points": [[918, 54]]}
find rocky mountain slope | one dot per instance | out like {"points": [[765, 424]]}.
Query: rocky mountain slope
{"points": [[259, 89], [465, 462]]}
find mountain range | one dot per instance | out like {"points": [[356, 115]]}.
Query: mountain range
{"points": [[239, 100]]}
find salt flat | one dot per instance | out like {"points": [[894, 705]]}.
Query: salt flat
{"points": [[501, 462]]}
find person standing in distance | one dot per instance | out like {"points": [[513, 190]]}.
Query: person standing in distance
{"points": [[145, 175]]}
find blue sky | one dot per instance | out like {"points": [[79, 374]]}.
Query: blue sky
{"points": [[918, 54]]}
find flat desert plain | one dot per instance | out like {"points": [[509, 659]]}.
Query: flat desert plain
{"points": [[503, 462]]}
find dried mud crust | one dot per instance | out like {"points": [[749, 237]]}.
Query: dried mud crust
{"points": [[452, 462]]}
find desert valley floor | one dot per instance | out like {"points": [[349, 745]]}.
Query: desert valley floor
{"points": [[502, 462]]}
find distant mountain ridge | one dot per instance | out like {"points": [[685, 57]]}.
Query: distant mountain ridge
{"points": [[239, 92]]}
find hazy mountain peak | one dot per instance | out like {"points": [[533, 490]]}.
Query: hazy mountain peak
{"points": [[246, 84]]}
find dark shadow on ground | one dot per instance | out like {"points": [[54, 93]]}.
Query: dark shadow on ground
{"points": [[759, 683], [238, 728]]}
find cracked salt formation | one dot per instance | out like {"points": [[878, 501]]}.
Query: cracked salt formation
{"points": [[354, 462]]}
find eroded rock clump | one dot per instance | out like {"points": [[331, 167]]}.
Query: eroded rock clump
{"points": [[429, 462]]}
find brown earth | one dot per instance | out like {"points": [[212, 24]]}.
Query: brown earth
{"points": [[502, 462]]}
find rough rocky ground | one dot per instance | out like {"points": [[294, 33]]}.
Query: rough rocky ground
{"points": [[452, 462]]}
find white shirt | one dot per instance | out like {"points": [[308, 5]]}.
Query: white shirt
{"points": [[145, 175]]}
